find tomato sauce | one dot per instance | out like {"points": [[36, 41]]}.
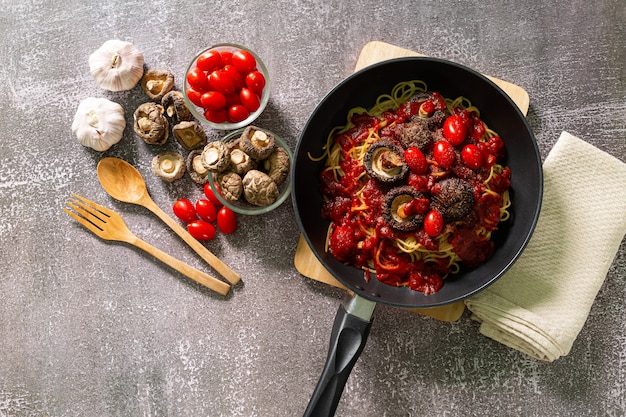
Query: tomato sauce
{"points": [[360, 235]]}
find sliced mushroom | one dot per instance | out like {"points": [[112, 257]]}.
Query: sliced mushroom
{"points": [[168, 165], [157, 83], [231, 186], [277, 165], [175, 107], [403, 208], [257, 143], [190, 135], [216, 156], [259, 189], [384, 161], [196, 169], [150, 124]]}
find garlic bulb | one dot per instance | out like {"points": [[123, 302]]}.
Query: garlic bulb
{"points": [[116, 65], [99, 123]]}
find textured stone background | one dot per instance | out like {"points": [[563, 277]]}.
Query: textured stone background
{"points": [[92, 328]]}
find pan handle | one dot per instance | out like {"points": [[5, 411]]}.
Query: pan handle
{"points": [[349, 335]]}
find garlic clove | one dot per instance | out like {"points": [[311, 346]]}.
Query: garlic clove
{"points": [[99, 123], [117, 65]]}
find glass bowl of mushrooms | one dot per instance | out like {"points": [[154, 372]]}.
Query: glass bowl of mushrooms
{"points": [[249, 170], [226, 86]]}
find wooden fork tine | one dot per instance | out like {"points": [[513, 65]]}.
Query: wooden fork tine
{"points": [[101, 209], [82, 220]]}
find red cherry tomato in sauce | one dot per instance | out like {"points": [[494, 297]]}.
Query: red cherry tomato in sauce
{"points": [[416, 160], [209, 60], [201, 230], [443, 153], [244, 61], [220, 81], [213, 100], [238, 113], [255, 81], [184, 210], [216, 116], [472, 156], [197, 80], [206, 210], [210, 195], [433, 223], [226, 220], [455, 129], [249, 99]]}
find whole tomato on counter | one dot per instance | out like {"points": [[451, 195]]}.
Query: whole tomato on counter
{"points": [[204, 219]]}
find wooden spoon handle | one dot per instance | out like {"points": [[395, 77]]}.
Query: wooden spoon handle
{"points": [[198, 276], [223, 269]]}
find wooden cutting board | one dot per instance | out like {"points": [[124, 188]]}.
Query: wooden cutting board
{"points": [[305, 260]]}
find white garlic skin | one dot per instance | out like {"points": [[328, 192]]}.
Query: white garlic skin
{"points": [[117, 65], [99, 123]]}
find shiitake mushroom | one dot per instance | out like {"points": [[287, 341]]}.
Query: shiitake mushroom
{"points": [[402, 208], [384, 161], [453, 198]]}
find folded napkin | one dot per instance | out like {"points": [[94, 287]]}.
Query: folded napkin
{"points": [[540, 305]]}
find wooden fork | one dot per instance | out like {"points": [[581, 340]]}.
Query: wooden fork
{"points": [[109, 225]]}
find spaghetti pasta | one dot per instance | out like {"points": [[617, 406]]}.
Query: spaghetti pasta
{"points": [[363, 216]]}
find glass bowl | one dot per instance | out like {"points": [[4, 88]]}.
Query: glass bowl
{"points": [[241, 206], [192, 96]]}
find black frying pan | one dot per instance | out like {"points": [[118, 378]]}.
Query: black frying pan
{"points": [[352, 323]]}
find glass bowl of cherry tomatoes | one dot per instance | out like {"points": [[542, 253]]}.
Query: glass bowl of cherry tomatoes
{"points": [[226, 86]]}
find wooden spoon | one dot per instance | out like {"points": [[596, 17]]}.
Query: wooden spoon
{"points": [[123, 182]]}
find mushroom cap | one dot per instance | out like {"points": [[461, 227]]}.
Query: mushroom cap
{"points": [[157, 83], [453, 198], [150, 124], [259, 189], [393, 208], [384, 161], [196, 169], [216, 156], [168, 165], [256, 142], [277, 165], [175, 108], [190, 135]]}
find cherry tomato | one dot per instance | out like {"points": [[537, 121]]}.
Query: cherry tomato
{"points": [[226, 220], [472, 156], [416, 160], [184, 210], [194, 96], [454, 129], [234, 75], [227, 57], [210, 195], [212, 100], [216, 116], [220, 81], [206, 210], [238, 113], [249, 99], [201, 230], [197, 80], [433, 223], [209, 60], [255, 81], [444, 154], [244, 61]]}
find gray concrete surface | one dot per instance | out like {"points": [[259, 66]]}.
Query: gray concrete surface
{"points": [[93, 328]]}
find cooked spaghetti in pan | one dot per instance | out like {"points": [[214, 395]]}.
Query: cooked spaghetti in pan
{"points": [[414, 187]]}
